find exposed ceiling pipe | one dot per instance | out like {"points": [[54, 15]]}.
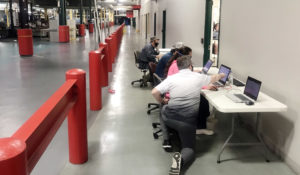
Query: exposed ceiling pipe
{"points": [[115, 3]]}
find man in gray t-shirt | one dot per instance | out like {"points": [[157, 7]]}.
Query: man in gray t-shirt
{"points": [[181, 110]]}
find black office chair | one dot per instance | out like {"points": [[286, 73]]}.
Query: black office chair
{"points": [[143, 80], [156, 80], [155, 125]]}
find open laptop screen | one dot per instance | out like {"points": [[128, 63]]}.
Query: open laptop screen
{"points": [[226, 70], [252, 88], [207, 66]]}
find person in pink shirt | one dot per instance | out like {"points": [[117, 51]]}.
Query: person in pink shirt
{"points": [[171, 67]]}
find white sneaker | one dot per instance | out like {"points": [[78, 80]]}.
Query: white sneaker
{"points": [[176, 164], [205, 132]]}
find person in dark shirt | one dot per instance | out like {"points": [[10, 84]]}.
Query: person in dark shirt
{"points": [[160, 68], [149, 53]]}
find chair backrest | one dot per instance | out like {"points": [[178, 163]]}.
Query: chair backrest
{"points": [[152, 67], [136, 56], [156, 79]]}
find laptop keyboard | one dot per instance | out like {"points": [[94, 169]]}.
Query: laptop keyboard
{"points": [[217, 84], [238, 98], [242, 97]]}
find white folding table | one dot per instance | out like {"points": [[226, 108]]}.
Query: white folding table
{"points": [[223, 104]]}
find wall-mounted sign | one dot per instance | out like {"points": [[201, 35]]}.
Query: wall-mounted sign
{"points": [[129, 13]]}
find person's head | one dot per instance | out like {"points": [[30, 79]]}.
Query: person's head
{"points": [[216, 27], [184, 62], [176, 47], [185, 50], [154, 41]]}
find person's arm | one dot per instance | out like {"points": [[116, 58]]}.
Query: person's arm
{"points": [[216, 77], [157, 95], [151, 54]]}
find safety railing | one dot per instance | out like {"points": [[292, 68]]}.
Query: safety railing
{"points": [[100, 63], [20, 153]]}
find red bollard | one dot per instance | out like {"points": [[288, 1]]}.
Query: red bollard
{"points": [[102, 71], [119, 37], [25, 42], [77, 124], [105, 63], [64, 34], [116, 45], [13, 157], [95, 80], [91, 27], [82, 30], [109, 53], [114, 48]]}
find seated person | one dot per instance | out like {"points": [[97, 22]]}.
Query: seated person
{"points": [[181, 111], [160, 68], [204, 113], [149, 53], [171, 67]]}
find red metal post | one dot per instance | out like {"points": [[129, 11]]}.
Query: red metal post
{"points": [[95, 80], [82, 30], [77, 124], [105, 63], [64, 34], [91, 27], [114, 48], [109, 53], [13, 157], [25, 42]]}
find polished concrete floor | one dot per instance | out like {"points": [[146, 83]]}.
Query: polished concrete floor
{"points": [[120, 135]]}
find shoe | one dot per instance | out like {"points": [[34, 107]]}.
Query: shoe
{"points": [[176, 164], [204, 131], [167, 146]]}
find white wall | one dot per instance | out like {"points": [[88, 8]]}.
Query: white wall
{"points": [[185, 22], [261, 38]]}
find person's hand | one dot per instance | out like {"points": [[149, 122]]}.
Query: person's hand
{"points": [[222, 75], [212, 87], [159, 56], [165, 100], [197, 70]]}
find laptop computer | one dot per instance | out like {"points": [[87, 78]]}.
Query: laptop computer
{"points": [[226, 70], [207, 66], [251, 92]]}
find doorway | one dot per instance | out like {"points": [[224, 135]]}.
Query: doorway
{"points": [[154, 24], [164, 29], [146, 16], [212, 30]]}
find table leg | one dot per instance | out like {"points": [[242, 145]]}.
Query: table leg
{"points": [[227, 140], [259, 137]]}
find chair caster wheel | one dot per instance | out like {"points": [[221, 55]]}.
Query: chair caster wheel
{"points": [[148, 112], [149, 105], [155, 136], [132, 83], [218, 161], [154, 125], [267, 160]]}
